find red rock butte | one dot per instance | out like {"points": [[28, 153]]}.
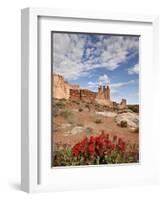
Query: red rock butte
{"points": [[64, 90]]}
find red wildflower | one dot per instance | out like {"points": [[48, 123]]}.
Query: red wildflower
{"points": [[91, 149], [76, 149], [101, 139], [123, 146], [97, 139], [113, 146], [109, 144], [84, 141], [119, 141], [114, 138], [98, 146], [83, 145], [92, 140]]}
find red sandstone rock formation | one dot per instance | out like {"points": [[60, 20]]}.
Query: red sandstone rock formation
{"points": [[82, 94], [61, 89], [123, 104], [103, 93], [64, 90]]}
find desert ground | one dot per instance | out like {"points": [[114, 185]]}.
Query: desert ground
{"points": [[73, 120]]}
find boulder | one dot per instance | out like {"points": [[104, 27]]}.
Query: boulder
{"points": [[80, 129], [124, 111], [107, 114], [65, 125], [132, 119]]}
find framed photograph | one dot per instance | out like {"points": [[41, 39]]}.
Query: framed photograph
{"points": [[88, 100]]}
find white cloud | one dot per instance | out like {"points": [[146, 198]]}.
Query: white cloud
{"points": [[114, 88], [92, 85], [121, 84], [103, 80], [74, 55], [133, 70]]}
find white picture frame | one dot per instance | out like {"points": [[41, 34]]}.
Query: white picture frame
{"points": [[36, 171]]}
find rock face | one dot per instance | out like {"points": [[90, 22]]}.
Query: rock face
{"points": [[103, 96], [82, 94], [123, 104], [132, 119], [103, 93], [64, 90], [61, 89]]}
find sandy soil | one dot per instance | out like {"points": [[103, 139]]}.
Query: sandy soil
{"points": [[62, 128]]}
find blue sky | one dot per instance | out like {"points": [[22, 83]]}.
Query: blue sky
{"points": [[91, 60]]}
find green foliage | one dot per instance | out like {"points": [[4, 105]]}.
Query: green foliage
{"points": [[136, 130], [98, 121], [97, 150], [63, 157], [134, 108], [99, 108], [87, 105], [123, 123], [76, 102], [58, 104], [66, 114]]}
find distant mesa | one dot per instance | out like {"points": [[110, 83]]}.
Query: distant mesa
{"points": [[63, 90]]}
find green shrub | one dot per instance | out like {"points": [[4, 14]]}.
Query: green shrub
{"points": [[99, 108], [66, 114], [59, 104], [55, 113], [101, 149], [64, 100], [80, 109], [76, 102], [98, 121], [123, 123], [134, 108], [87, 105], [136, 130]]}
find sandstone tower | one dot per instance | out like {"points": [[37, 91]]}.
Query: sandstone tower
{"points": [[123, 104], [103, 93], [64, 90]]}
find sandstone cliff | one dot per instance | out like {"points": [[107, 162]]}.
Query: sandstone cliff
{"points": [[64, 90], [103, 93], [61, 89], [82, 94]]}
